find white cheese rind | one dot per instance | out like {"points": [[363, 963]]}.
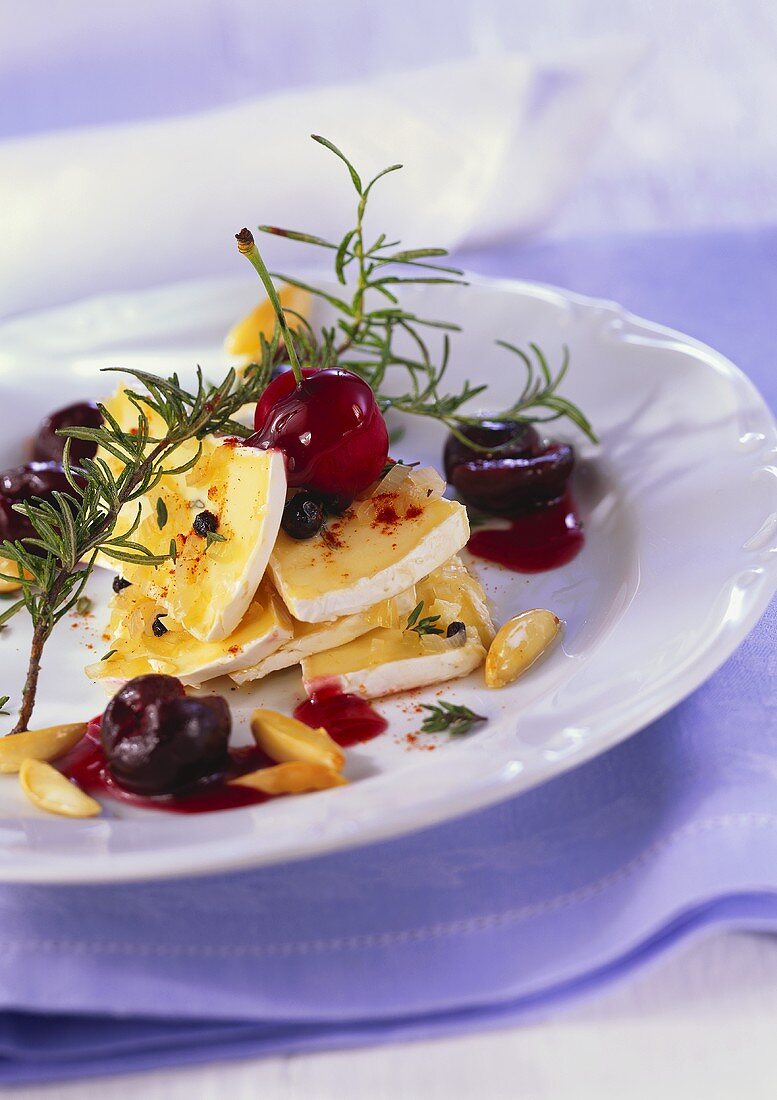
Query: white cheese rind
{"points": [[403, 675], [326, 636], [436, 547], [292, 652], [232, 663]]}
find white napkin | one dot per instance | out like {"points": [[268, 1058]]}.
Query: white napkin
{"points": [[490, 150]]}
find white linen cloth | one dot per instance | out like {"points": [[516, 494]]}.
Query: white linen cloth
{"points": [[491, 149]]}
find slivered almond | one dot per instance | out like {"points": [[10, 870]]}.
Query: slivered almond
{"points": [[291, 778], [45, 744], [285, 739], [49, 790]]}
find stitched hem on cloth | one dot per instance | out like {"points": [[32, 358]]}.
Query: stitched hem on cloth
{"points": [[464, 926]]}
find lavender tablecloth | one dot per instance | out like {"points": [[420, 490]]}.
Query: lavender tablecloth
{"points": [[496, 917]]}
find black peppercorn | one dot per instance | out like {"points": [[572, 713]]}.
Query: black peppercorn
{"points": [[303, 516], [158, 627], [205, 523]]}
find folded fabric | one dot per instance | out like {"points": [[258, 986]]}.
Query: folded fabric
{"points": [[493, 152], [502, 915]]}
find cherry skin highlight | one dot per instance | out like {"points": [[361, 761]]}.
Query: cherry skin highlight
{"points": [[329, 428], [281, 385]]}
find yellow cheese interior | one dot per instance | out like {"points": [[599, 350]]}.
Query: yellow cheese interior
{"points": [[451, 592], [177, 652], [369, 538], [242, 487]]}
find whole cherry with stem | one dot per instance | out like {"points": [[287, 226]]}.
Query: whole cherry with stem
{"points": [[326, 422]]}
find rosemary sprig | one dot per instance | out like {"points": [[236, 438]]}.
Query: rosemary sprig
{"points": [[371, 322], [423, 625], [72, 528], [453, 717]]}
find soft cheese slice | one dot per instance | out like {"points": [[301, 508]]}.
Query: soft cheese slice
{"points": [[208, 588], [456, 595], [172, 488], [378, 549], [391, 659], [386, 661], [310, 638], [265, 626]]}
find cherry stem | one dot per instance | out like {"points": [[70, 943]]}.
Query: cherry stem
{"points": [[247, 247]]}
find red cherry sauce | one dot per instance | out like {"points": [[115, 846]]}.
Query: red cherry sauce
{"points": [[348, 719], [535, 542], [86, 764]]}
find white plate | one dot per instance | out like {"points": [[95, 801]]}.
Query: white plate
{"points": [[679, 509]]}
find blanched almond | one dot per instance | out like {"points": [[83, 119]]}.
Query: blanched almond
{"points": [[49, 790], [518, 644], [45, 744], [291, 778], [285, 739]]}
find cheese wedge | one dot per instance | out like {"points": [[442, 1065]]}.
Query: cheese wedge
{"points": [[386, 661], [392, 658], [310, 638], [208, 588], [382, 546], [264, 627]]}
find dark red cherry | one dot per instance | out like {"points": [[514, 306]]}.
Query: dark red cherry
{"points": [[329, 428], [281, 385], [156, 739], [514, 440], [519, 476], [49, 447], [34, 479]]}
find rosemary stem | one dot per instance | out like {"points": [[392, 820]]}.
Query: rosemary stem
{"points": [[46, 619], [40, 636], [31, 680], [247, 247]]}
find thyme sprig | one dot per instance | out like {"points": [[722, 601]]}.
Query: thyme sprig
{"points": [[453, 717], [370, 324], [72, 528], [422, 624]]}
